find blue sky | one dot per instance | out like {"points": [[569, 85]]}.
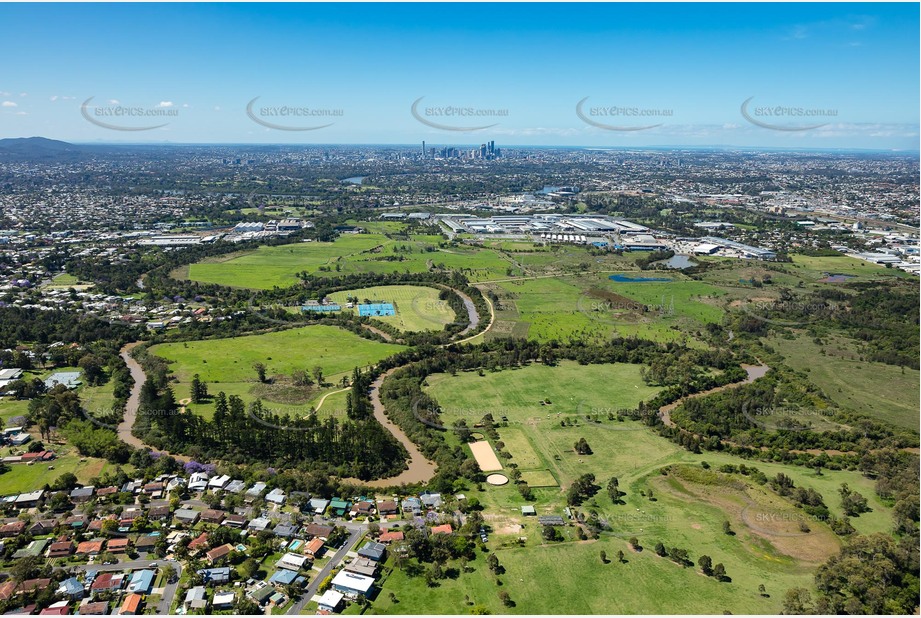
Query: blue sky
{"points": [[688, 68]]}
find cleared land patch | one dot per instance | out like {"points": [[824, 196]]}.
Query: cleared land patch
{"points": [[485, 456]]}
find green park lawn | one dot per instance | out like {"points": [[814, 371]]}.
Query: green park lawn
{"points": [[227, 364], [417, 308]]}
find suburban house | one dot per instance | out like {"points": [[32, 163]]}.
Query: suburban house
{"points": [[145, 543], [432, 501], [219, 552], [61, 608], [317, 530], [412, 505], [71, 588], [90, 548], [108, 581], [216, 576], [34, 549], [318, 505], [235, 521], [254, 492], [235, 486], [363, 508], [291, 561], [276, 496], [81, 494], [141, 581], [330, 601], [223, 600], [373, 551], [285, 531], [218, 482], [314, 546], [259, 524], [198, 543], [198, 481], [390, 537], [98, 608], [196, 598], [352, 585], [158, 513], [362, 566], [43, 526], [12, 529], [283, 577], [61, 549], [117, 546], [338, 506], [442, 529], [212, 516], [131, 605], [186, 516], [388, 507]]}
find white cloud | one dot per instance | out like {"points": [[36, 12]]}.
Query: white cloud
{"points": [[4, 94], [53, 97], [8, 104], [165, 104], [185, 105], [217, 108], [113, 101], [23, 94], [21, 114]]}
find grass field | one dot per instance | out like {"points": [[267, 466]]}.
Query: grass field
{"points": [[689, 508], [227, 364], [882, 391], [572, 389], [267, 267], [417, 308], [21, 478]]}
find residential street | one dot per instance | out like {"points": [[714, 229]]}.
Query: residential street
{"points": [[169, 590]]}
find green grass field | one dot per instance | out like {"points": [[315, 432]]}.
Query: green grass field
{"points": [[417, 308], [878, 390], [21, 478], [573, 390], [687, 512], [227, 364], [267, 267]]}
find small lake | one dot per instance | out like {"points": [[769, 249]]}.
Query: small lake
{"points": [[679, 262], [626, 279], [355, 180]]}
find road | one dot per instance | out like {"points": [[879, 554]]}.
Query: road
{"points": [[754, 372], [169, 590], [355, 534]]}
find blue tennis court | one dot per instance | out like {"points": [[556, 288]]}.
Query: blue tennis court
{"points": [[376, 309]]}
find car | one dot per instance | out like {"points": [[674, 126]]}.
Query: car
{"points": [[153, 565]]}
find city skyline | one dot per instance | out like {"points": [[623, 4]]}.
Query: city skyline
{"points": [[810, 77]]}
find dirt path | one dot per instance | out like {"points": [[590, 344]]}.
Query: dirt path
{"points": [[323, 398], [134, 402], [419, 468], [754, 372]]}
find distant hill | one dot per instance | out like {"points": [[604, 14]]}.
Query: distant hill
{"points": [[40, 148]]}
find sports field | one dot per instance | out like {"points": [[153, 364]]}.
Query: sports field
{"points": [[417, 308]]}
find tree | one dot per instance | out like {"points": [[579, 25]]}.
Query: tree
{"points": [[719, 571], [635, 543], [620, 556], [706, 565], [92, 369], [506, 599], [493, 562], [300, 377], [660, 549], [260, 371], [614, 489], [604, 557], [198, 389], [582, 447], [247, 607], [318, 375], [727, 528], [169, 573], [762, 590], [797, 601]]}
